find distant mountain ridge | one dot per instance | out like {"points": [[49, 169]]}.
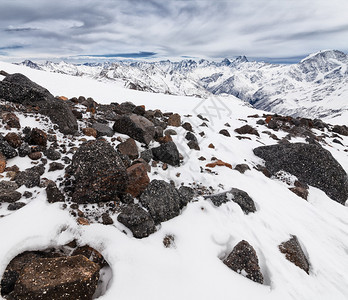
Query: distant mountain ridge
{"points": [[316, 87]]}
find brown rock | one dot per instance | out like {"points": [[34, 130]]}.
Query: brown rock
{"points": [[129, 148], [211, 146], [82, 221], [219, 163], [241, 168], [2, 163], [58, 278], [294, 253], [13, 139], [89, 132], [300, 191], [38, 137], [35, 155], [92, 254], [138, 179], [11, 120], [247, 129], [165, 139], [224, 132], [187, 126], [63, 98], [174, 120], [243, 259]]}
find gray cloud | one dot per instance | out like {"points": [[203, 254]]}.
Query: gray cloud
{"points": [[173, 28]]}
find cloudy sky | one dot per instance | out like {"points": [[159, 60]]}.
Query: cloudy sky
{"points": [[271, 29]]}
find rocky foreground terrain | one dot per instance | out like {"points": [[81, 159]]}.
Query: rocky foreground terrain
{"points": [[121, 171]]}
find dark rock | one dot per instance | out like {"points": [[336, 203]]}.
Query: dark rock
{"points": [[129, 148], [138, 220], [300, 191], [174, 120], [37, 137], [15, 206], [11, 120], [106, 219], [52, 154], [343, 130], [138, 179], [9, 196], [7, 150], [224, 132], [18, 88], [24, 150], [139, 110], [27, 194], [187, 194], [169, 241], [8, 281], [187, 126], [78, 115], [167, 153], [272, 124], [29, 178], [241, 168], [261, 122], [337, 141], [244, 258], [53, 193], [162, 200], [103, 130], [170, 132], [247, 129], [191, 137], [35, 155], [54, 166], [146, 155], [125, 159], [92, 254], [137, 127], [294, 253], [238, 196], [99, 173], [193, 145], [57, 278], [13, 139], [311, 164]]}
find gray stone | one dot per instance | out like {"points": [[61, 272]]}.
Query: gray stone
{"points": [[167, 153]]}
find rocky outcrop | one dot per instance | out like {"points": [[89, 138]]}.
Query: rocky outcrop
{"points": [[98, 172], [18, 88], [137, 127], [311, 164], [162, 200], [294, 253], [243, 260], [138, 220], [238, 196]]}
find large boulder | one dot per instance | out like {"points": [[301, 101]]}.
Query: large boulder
{"points": [[167, 153], [162, 200], [99, 173], [243, 260], [238, 196], [311, 164], [18, 88], [73, 277], [138, 220], [137, 127]]}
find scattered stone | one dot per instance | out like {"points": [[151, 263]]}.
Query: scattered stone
{"points": [[224, 132], [247, 129], [300, 191], [162, 200], [243, 260], [15, 206], [2, 163], [102, 130], [165, 167], [261, 122], [29, 178], [8, 185], [137, 127], [167, 153], [13, 139], [311, 164], [294, 253], [106, 219], [129, 148], [57, 278], [241, 168], [54, 166], [11, 120], [187, 194], [174, 120], [99, 173], [191, 137], [168, 241], [343, 130], [138, 220], [9, 196], [211, 146], [7, 150], [236, 195], [35, 155], [193, 145], [138, 179], [202, 118], [53, 193], [146, 155], [88, 131], [27, 194], [187, 126], [170, 132], [52, 154], [219, 163], [202, 158], [24, 150], [82, 221], [37, 137]]}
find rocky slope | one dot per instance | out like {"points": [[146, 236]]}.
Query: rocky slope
{"points": [[210, 197], [316, 87]]}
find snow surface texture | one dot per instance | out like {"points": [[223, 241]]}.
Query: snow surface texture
{"points": [[317, 87], [204, 234]]}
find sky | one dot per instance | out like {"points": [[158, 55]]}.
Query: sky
{"points": [[274, 30]]}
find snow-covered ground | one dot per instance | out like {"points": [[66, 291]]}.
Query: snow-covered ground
{"points": [[192, 269]]}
